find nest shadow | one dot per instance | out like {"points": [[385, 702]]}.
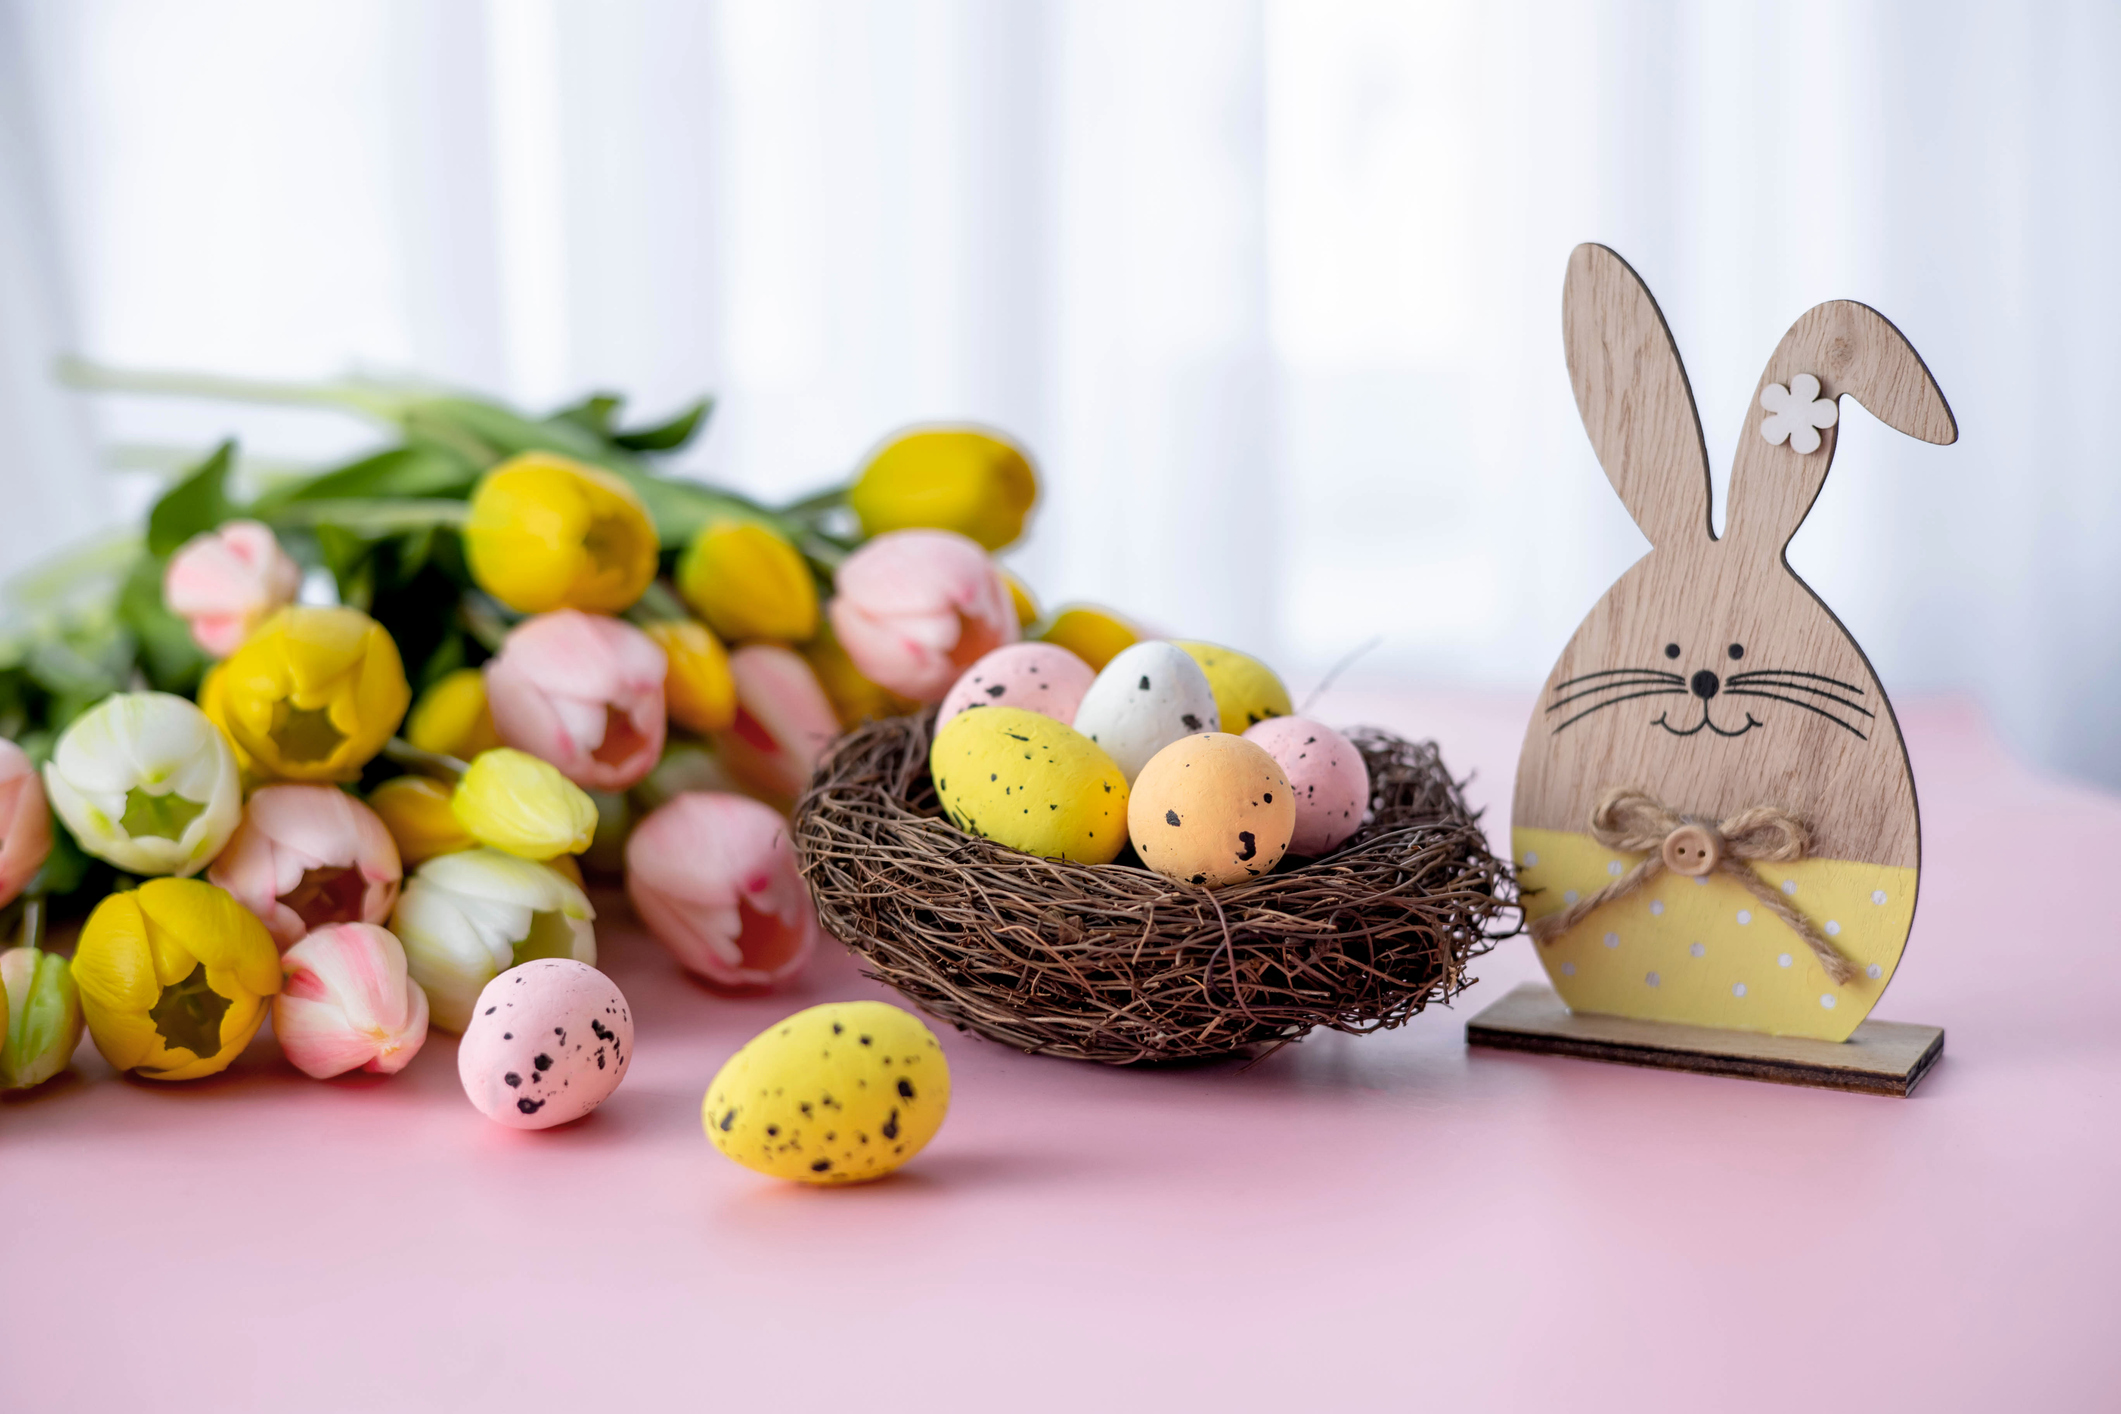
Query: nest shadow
{"points": [[1113, 963]]}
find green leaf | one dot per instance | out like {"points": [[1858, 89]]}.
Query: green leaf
{"points": [[169, 657], [63, 869], [194, 505], [498, 432], [400, 473], [83, 665], [594, 413], [668, 436], [370, 517]]}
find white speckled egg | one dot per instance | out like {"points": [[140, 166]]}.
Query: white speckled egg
{"points": [[1212, 809], [548, 1042], [1327, 776], [1044, 678], [1147, 697]]}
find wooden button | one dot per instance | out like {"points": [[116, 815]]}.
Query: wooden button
{"points": [[1691, 850]]}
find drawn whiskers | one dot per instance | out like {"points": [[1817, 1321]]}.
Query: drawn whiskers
{"points": [[1600, 690], [1814, 692]]}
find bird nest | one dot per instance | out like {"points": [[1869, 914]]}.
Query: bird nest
{"points": [[1114, 963]]}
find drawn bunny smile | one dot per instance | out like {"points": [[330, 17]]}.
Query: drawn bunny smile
{"points": [[1826, 696]]}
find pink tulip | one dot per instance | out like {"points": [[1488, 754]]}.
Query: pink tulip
{"points": [[715, 879], [583, 692], [26, 820], [915, 608], [783, 724], [307, 856], [226, 582], [349, 1001]]}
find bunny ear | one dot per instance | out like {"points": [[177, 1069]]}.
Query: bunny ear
{"points": [[1837, 348], [1633, 394]]}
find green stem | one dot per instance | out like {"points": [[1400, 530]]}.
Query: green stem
{"points": [[482, 619], [426, 763], [32, 922], [817, 501], [87, 374], [659, 601], [372, 515]]}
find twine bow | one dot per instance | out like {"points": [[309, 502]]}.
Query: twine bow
{"points": [[1633, 821]]}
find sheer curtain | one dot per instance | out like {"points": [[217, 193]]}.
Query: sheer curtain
{"points": [[1270, 289]]}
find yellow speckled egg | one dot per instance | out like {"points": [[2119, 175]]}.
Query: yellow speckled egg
{"points": [[1247, 692], [1211, 809], [840, 1093], [1031, 783]]}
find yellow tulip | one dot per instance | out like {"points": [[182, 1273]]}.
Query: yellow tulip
{"points": [[972, 482], [173, 978], [417, 812], [855, 699], [1092, 634], [451, 718], [749, 583], [1021, 599], [523, 806], [698, 692], [313, 695], [548, 533], [213, 701]]}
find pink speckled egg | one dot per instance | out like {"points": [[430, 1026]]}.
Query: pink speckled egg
{"points": [[1326, 774], [1048, 680], [548, 1042]]}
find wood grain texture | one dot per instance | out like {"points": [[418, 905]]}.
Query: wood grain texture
{"points": [[1632, 392], [1795, 717], [1881, 1058]]}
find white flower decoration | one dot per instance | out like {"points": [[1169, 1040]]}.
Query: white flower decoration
{"points": [[1796, 413]]}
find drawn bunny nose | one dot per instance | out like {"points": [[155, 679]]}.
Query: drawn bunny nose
{"points": [[1705, 685]]}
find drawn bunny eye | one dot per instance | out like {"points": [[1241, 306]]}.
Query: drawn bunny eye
{"points": [[1671, 650], [1737, 651]]}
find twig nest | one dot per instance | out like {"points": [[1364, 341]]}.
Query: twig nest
{"points": [[1117, 964]]}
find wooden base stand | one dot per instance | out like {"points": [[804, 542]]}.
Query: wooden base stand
{"points": [[1881, 1058]]}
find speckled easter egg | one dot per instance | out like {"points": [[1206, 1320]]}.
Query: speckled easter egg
{"points": [[548, 1042], [1031, 783], [1146, 698], [1247, 692], [1327, 778], [1212, 809], [1048, 680], [840, 1093]]}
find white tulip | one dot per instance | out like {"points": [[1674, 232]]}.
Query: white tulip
{"points": [[144, 780], [466, 918]]}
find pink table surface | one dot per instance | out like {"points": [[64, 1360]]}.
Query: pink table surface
{"points": [[1390, 1222]]}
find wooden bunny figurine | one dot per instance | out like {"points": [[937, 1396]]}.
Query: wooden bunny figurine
{"points": [[1714, 821]]}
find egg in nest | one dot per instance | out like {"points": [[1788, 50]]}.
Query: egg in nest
{"points": [[1023, 780], [1146, 698], [840, 1093], [1247, 691], [1328, 779], [1211, 809], [1050, 681]]}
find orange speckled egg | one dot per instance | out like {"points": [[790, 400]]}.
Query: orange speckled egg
{"points": [[1211, 809]]}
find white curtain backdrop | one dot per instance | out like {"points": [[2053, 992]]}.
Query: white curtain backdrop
{"points": [[1270, 289]]}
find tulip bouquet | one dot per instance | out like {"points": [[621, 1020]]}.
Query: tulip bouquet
{"points": [[338, 748]]}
